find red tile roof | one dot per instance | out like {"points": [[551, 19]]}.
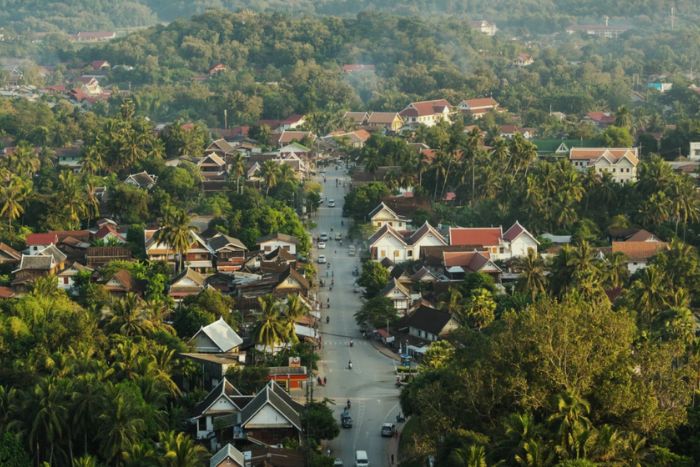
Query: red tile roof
{"points": [[480, 103], [638, 251], [476, 236], [422, 108], [41, 239], [601, 117]]}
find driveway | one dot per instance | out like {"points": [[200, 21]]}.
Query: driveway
{"points": [[370, 384]]}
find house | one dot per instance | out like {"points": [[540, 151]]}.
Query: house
{"points": [[484, 27], [66, 278], [289, 377], [228, 456], [32, 267], [223, 399], [478, 107], [390, 121], [230, 252], [93, 36], [100, 65], [428, 113], [391, 244], [278, 240], [216, 337], [694, 151], [9, 255], [620, 163], [198, 257], [218, 68], [39, 241], [638, 253], [271, 417], [70, 157], [290, 136], [599, 30], [142, 180], [660, 87], [509, 131], [220, 147], [601, 119], [560, 148], [212, 165], [98, 256], [384, 215], [108, 233], [290, 123], [122, 283], [523, 60], [358, 118], [353, 139], [429, 323], [514, 243], [459, 263], [399, 295], [89, 85], [188, 282]]}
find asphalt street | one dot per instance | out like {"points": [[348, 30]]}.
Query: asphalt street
{"points": [[370, 384]]}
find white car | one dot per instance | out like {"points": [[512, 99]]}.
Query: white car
{"points": [[321, 259], [321, 245], [323, 237], [331, 203], [338, 236], [338, 463]]}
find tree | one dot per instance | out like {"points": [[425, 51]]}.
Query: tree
{"points": [[269, 330], [533, 279], [176, 232], [129, 317], [318, 421], [377, 312], [12, 197], [179, 450], [374, 278], [617, 137], [479, 311], [237, 169], [269, 172]]}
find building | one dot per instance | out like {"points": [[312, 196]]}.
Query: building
{"points": [[513, 243], [478, 107], [224, 399], [484, 27], [694, 152], [189, 282], [66, 278], [271, 242], [620, 163], [216, 337], [122, 283], [93, 36], [389, 243], [523, 60], [429, 323], [142, 180], [428, 113], [389, 121], [638, 253], [230, 252], [399, 295], [383, 215], [600, 119], [198, 257], [358, 118]]}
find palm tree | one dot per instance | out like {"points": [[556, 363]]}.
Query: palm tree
{"points": [[93, 160], [12, 196], [615, 271], [84, 461], [176, 232], [570, 421], [238, 169], [269, 329], [180, 451], [533, 277], [23, 161], [129, 317], [46, 409], [269, 171], [120, 426], [648, 295], [87, 400], [71, 197], [285, 173]]}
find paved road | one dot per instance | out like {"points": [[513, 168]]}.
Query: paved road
{"points": [[370, 384]]}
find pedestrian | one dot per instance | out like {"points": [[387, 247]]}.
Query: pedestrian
{"points": [[325, 380], [392, 459]]}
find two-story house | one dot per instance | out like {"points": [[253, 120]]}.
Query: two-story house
{"points": [[478, 107], [199, 255], [620, 163], [513, 243], [428, 113], [230, 252], [383, 215], [389, 121], [273, 241], [389, 243]]}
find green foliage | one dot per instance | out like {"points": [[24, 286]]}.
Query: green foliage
{"points": [[361, 200], [374, 277], [12, 454], [377, 312], [248, 379], [318, 421]]}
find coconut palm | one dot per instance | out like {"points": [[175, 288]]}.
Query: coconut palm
{"points": [[614, 271], [46, 411], [533, 279], [120, 426], [12, 197], [128, 316], [93, 160], [269, 171], [269, 330], [179, 450], [176, 232], [238, 169]]}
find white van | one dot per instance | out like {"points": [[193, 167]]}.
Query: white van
{"points": [[361, 459]]}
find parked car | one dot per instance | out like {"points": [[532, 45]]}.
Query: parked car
{"points": [[323, 237], [338, 462], [331, 203], [351, 252], [361, 459], [321, 259], [387, 430], [338, 236], [321, 245]]}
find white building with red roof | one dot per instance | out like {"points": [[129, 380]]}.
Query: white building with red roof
{"points": [[428, 113], [478, 107], [620, 163], [513, 243], [399, 246]]}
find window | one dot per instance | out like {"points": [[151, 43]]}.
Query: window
{"points": [[202, 424], [65, 280], [502, 250], [382, 253], [396, 253], [268, 247], [494, 250], [391, 224], [409, 253]]}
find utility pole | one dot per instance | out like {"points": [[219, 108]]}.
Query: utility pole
{"points": [[673, 18], [225, 119]]}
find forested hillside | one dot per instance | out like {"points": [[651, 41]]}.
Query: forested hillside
{"points": [[536, 15]]}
